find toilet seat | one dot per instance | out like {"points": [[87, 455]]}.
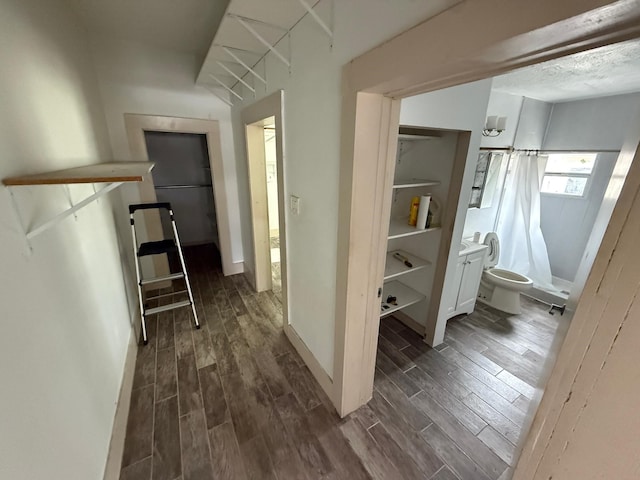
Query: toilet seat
{"points": [[493, 253], [507, 279], [509, 275]]}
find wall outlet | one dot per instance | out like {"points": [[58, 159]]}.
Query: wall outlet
{"points": [[294, 205]]}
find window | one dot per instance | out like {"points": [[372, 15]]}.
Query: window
{"points": [[568, 174]]}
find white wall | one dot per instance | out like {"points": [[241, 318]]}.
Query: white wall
{"points": [[567, 222], [596, 125], [312, 102], [458, 108], [65, 322], [533, 124], [139, 79]]}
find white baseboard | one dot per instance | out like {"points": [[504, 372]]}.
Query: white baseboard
{"points": [[234, 269], [310, 360], [116, 446], [251, 278], [409, 322]]}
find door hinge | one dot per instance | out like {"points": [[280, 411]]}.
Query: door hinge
{"points": [[379, 292]]}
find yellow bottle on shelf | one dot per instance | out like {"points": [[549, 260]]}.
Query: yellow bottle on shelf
{"points": [[413, 212]]}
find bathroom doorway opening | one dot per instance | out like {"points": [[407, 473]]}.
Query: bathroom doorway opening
{"points": [[273, 210], [488, 375]]}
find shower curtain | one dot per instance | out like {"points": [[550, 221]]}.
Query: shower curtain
{"points": [[522, 246]]}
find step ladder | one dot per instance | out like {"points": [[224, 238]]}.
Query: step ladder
{"points": [[159, 247]]}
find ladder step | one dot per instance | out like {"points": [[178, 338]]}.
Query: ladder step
{"points": [[156, 248], [171, 294], [164, 308], [172, 276]]}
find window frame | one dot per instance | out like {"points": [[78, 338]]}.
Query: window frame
{"points": [[588, 176]]}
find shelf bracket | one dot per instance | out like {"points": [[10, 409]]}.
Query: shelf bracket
{"points": [[66, 189], [19, 221], [260, 38], [237, 77], [70, 211], [239, 60], [317, 18], [225, 86]]}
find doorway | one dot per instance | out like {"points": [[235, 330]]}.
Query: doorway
{"points": [[273, 210], [370, 123], [182, 177], [136, 126], [266, 267]]}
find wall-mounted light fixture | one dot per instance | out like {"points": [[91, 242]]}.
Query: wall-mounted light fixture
{"points": [[494, 126]]}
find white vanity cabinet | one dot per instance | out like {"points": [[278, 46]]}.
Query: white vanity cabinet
{"points": [[462, 297]]}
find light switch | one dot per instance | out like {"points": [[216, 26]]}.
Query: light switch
{"points": [[295, 205]]}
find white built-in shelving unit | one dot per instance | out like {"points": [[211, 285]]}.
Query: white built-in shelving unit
{"points": [[423, 167]]}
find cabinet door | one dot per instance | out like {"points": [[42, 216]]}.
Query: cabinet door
{"points": [[470, 281], [452, 295]]}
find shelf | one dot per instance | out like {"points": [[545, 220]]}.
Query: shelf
{"points": [[417, 133], [405, 296], [414, 182], [399, 227], [112, 172], [394, 267]]}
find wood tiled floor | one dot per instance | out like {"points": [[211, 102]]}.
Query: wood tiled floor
{"points": [[233, 400]]}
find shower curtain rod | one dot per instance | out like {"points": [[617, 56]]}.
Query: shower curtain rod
{"points": [[570, 150]]}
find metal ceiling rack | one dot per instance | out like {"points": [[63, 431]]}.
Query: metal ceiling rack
{"points": [[250, 25]]}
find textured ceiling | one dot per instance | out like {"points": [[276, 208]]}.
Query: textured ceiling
{"points": [[179, 25], [610, 70]]}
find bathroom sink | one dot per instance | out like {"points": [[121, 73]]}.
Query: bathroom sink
{"points": [[463, 246]]}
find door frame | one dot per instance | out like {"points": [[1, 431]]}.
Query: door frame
{"points": [[260, 273], [253, 117], [483, 40], [136, 125]]}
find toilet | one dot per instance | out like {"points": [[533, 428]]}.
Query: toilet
{"points": [[500, 288]]}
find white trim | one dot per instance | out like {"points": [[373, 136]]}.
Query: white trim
{"points": [[310, 360], [119, 431], [236, 268]]}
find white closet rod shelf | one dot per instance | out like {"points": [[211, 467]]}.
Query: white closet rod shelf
{"points": [[113, 174]]}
